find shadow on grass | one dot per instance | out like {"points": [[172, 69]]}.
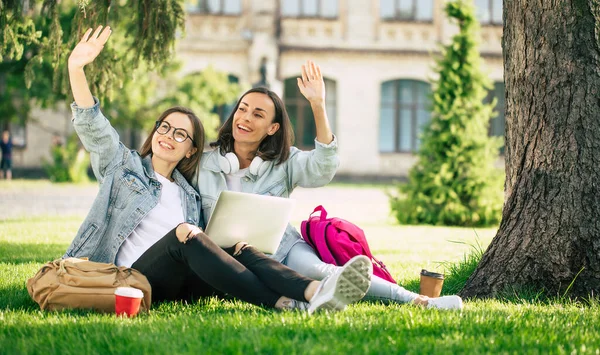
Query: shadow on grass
{"points": [[15, 297], [21, 253]]}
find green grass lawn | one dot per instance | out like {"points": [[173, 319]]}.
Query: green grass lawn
{"points": [[215, 326]]}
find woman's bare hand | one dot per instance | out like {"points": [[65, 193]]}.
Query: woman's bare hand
{"points": [[312, 85], [89, 47]]}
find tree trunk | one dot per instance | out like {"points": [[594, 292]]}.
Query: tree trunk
{"points": [[550, 227]]}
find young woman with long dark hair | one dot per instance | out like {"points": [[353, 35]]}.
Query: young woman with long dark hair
{"points": [[254, 154]]}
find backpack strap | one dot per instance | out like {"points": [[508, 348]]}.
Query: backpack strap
{"points": [[310, 229], [306, 235], [321, 209], [313, 231], [320, 240], [384, 269]]}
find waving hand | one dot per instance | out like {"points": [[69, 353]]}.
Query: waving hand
{"points": [[89, 47], [84, 53], [312, 85]]}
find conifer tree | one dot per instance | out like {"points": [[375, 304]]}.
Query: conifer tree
{"points": [[36, 37], [454, 181]]}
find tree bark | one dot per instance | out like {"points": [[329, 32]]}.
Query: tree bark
{"points": [[550, 228]]}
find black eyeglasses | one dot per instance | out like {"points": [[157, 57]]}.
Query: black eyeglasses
{"points": [[179, 134]]}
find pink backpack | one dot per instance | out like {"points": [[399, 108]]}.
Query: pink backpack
{"points": [[336, 241]]}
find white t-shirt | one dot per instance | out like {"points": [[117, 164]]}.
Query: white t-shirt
{"points": [[167, 214], [234, 181]]}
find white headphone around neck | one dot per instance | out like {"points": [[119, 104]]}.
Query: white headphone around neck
{"points": [[230, 164]]}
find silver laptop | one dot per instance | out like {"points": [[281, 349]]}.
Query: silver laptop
{"points": [[256, 219]]}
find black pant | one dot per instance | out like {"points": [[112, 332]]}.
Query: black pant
{"points": [[178, 271]]}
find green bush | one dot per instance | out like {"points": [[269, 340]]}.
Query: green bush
{"points": [[454, 181], [69, 162]]}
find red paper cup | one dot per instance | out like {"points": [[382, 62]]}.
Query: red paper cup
{"points": [[127, 301]]}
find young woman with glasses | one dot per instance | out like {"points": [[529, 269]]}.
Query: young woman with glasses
{"points": [[146, 214]]}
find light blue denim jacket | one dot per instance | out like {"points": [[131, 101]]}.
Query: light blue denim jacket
{"points": [[313, 168], [128, 189]]}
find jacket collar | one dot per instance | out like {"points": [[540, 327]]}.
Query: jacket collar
{"points": [[183, 183], [177, 176], [147, 165], [210, 161]]}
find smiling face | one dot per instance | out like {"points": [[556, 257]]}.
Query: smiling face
{"points": [[253, 120], [167, 149]]}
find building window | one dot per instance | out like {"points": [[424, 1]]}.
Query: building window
{"points": [[225, 110], [404, 112], [309, 8], [498, 123], [489, 12], [214, 7], [406, 10], [301, 115]]}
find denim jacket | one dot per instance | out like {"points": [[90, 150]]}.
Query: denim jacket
{"points": [[313, 168], [128, 189]]}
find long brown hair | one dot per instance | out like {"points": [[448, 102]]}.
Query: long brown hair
{"points": [[186, 166], [275, 147]]}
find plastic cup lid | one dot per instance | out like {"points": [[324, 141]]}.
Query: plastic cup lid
{"points": [[129, 292], [432, 274]]}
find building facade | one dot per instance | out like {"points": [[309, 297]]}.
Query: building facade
{"points": [[376, 56]]}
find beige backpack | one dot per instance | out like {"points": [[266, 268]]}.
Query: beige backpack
{"points": [[81, 284]]}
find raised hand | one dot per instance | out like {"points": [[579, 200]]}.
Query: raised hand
{"points": [[89, 47], [312, 87], [84, 53], [311, 84]]}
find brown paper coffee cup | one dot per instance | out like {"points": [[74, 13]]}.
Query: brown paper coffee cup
{"points": [[431, 283]]}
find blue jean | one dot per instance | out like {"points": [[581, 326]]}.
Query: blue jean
{"points": [[303, 259]]}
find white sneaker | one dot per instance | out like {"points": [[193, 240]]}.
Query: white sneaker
{"points": [[293, 305], [346, 285], [445, 302]]}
